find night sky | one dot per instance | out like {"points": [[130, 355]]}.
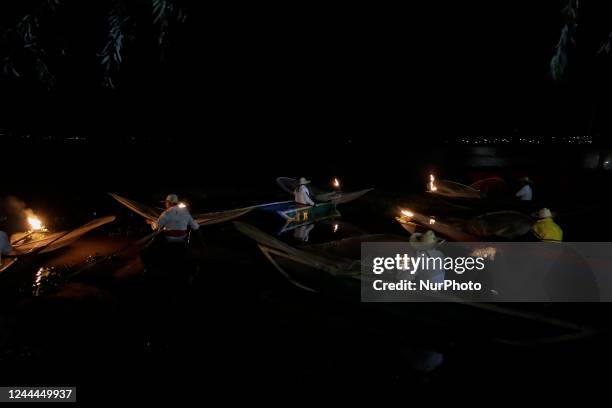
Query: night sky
{"points": [[320, 72]]}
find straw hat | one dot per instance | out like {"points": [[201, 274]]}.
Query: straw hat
{"points": [[172, 199], [303, 181], [544, 213], [424, 241]]}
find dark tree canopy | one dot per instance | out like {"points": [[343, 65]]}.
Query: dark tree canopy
{"points": [[315, 69]]}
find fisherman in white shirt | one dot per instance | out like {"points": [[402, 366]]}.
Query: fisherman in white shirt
{"points": [[302, 193], [525, 193], [175, 221]]}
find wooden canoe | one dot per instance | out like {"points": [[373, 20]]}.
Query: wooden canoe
{"points": [[47, 242], [334, 269]]}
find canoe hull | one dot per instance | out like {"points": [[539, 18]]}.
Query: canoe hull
{"points": [[447, 321], [336, 278], [301, 214]]}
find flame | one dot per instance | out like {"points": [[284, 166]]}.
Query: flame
{"points": [[35, 223], [432, 185], [487, 253], [407, 213], [432, 221], [182, 205], [336, 183], [335, 227]]}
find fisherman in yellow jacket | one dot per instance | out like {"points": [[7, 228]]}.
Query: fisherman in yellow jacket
{"points": [[546, 229]]}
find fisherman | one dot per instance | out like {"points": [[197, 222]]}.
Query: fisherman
{"points": [[5, 243], [546, 229], [175, 221], [170, 268], [173, 224], [525, 193], [426, 244], [302, 193]]}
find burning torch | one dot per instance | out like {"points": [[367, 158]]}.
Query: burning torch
{"points": [[336, 183]]}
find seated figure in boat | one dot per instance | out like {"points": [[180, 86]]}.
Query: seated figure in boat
{"points": [[525, 193], [546, 229], [175, 221], [171, 244], [5, 244], [302, 193], [426, 244]]}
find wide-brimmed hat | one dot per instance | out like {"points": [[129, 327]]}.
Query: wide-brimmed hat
{"points": [[544, 213], [424, 241], [526, 179], [304, 181], [172, 199]]}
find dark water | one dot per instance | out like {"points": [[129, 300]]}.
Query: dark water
{"points": [[244, 326]]}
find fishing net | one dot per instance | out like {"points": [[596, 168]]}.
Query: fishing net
{"points": [[456, 190], [52, 241], [75, 234], [337, 197], [341, 198], [287, 250], [34, 241], [149, 213], [502, 224], [287, 184], [152, 214], [491, 187], [218, 217], [290, 185]]}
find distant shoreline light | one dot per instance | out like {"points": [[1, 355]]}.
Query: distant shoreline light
{"points": [[488, 140]]}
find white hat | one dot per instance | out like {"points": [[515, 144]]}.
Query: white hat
{"points": [[544, 213], [424, 241], [304, 181], [172, 199]]}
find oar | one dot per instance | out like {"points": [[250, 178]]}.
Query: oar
{"points": [[22, 238]]}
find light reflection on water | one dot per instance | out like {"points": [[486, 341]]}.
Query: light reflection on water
{"points": [[48, 278], [40, 276]]}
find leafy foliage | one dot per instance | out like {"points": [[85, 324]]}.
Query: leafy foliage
{"points": [[559, 61], [159, 10], [606, 47], [164, 12], [110, 56], [21, 51], [21, 42]]}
